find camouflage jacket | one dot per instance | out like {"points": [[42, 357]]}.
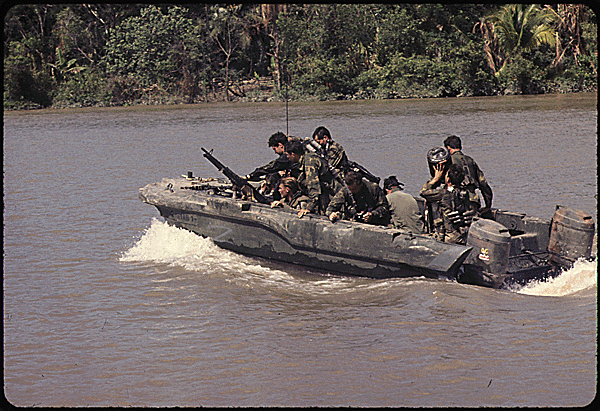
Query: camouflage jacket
{"points": [[316, 182], [336, 155], [474, 178], [370, 198], [447, 200], [297, 202]]}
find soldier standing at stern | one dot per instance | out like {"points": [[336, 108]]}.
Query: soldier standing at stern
{"points": [[474, 178]]}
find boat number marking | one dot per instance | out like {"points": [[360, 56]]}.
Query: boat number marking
{"points": [[484, 254]]}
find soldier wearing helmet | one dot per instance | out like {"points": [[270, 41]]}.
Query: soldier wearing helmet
{"points": [[448, 207], [438, 156]]}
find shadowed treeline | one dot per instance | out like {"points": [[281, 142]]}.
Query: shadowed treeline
{"points": [[76, 55]]}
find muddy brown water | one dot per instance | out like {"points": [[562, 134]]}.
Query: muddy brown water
{"points": [[105, 305]]}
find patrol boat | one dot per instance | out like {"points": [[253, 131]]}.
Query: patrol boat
{"points": [[509, 248]]}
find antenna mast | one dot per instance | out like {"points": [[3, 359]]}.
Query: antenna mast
{"points": [[287, 122]]}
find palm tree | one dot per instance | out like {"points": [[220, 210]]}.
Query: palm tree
{"points": [[569, 19], [515, 29]]}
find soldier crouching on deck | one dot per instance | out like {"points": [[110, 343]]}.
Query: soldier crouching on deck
{"points": [[275, 169], [361, 200], [291, 195], [404, 209]]}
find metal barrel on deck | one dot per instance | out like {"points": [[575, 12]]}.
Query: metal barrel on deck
{"points": [[488, 262], [571, 236]]}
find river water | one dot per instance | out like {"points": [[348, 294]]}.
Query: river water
{"points": [[106, 305]]}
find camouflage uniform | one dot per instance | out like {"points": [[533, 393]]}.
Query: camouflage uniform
{"points": [[336, 156], [474, 179], [447, 200], [297, 202], [316, 182], [370, 198]]}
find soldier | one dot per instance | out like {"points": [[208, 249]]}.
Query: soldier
{"points": [[334, 152], [291, 195], [315, 178], [360, 200], [474, 178], [404, 210], [277, 142], [453, 203]]}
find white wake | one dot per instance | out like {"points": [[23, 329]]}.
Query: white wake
{"points": [[582, 276], [164, 244]]}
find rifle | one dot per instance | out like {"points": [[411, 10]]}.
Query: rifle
{"points": [[315, 147], [234, 178], [354, 166], [429, 217]]}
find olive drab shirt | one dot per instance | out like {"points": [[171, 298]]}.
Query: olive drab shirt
{"points": [[404, 211], [316, 182], [370, 198], [474, 179]]}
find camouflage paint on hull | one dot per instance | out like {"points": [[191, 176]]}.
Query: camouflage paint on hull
{"points": [[345, 247]]}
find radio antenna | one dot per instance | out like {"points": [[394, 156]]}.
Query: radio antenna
{"points": [[285, 76], [287, 117]]}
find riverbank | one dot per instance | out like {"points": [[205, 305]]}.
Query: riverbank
{"points": [[265, 90]]}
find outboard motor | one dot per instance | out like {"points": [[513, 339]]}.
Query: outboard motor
{"points": [[438, 155], [571, 236], [487, 263]]}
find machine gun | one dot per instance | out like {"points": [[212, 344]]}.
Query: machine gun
{"points": [[234, 178]]}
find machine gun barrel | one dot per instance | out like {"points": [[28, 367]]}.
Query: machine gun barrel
{"points": [[234, 178]]}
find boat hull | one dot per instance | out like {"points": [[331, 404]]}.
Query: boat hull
{"points": [[344, 247], [520, 243]]}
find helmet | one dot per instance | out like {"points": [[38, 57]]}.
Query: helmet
{"points": [[438, 155]]}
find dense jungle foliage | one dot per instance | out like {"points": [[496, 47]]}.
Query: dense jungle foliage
{"points": [[76, 55]]}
